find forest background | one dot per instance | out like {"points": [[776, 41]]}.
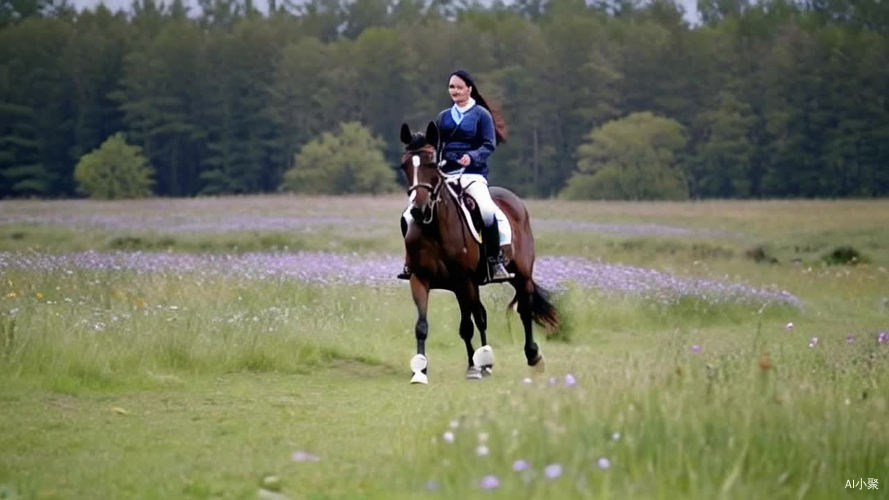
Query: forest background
{"points": [[604, 99]]}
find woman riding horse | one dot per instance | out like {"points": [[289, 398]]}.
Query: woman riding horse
{"points": [[446, 254], [470, 132]]}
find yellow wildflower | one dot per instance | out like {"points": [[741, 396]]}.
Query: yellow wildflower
{"points": [[39, 296]]}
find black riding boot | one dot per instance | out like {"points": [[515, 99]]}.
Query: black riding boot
{"points": [[496, 261]]}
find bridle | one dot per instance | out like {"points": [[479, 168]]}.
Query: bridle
{"points": [[434, 191]]}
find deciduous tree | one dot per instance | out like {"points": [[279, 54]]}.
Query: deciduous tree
{"points": [[115, 170], [633, 158], [348, 161]]}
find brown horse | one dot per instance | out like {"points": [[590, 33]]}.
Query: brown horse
{"points": [[443, 254]]}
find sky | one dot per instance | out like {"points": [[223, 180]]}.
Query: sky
{"points": [[691, 6]]}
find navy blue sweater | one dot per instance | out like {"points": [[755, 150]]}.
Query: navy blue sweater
{"points": [[474, 136]]}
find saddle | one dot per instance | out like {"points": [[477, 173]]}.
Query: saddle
{"points": [[487, 237], [469, 211]]}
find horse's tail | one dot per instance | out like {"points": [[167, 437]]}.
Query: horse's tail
{"points": [[543, 312]]}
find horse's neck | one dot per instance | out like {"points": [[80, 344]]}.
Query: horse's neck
{"points": [[448, 220]]}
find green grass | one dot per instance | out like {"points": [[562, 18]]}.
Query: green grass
{"points": [[118, 385]]}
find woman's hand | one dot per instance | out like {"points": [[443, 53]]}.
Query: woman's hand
{"points": [[465, 160]]}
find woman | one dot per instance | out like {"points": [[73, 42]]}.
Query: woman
{"points": [[469, 133]]}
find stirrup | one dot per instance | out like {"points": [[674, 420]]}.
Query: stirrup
{"points": [[498, 271], [405, 273]]}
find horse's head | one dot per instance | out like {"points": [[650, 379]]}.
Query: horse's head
{"points": [[421, 171]]}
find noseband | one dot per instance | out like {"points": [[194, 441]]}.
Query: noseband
{"points": [[434, 191]]}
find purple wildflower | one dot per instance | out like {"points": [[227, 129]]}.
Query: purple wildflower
{"points": [[520, 465], [489, 482], [696, 348], [631, 229], [603, 463], [570, 380], [330, 268], [304, 456], [663, 287], [850, 338], [448, 437], [883, 337], [553, 471], [813, 342]]}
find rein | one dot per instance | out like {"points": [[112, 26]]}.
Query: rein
{"points": [[434, 191]]}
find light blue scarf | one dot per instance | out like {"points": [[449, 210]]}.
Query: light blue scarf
{"points": [[458, 113]]}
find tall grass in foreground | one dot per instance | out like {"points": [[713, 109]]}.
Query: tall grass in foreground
{"points": [[105, 329], [101, 329], [123, 384], [796, 423], [643, 399], [730, 403]]}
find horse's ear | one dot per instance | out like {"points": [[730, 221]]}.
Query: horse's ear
{"points": [[432, 134], [405, 134]]}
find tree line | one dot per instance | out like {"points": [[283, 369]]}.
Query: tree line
{"points": [[603, 98]]}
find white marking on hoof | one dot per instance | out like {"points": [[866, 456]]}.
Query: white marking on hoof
{"points": [[483, 356], [487, 371], [474, 373], [418, 364], [540, 367]]}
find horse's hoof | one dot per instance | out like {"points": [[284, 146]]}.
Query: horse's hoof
{"points": [[487, 371], [538, 364], [483, 356], [419, 378], [474, 373]]}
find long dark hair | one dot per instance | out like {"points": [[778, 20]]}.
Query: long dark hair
{"points": [[499, 123]]}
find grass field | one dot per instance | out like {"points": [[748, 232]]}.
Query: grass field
{"points": [[258, 347]]}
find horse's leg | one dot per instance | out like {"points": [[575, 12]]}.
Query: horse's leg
{"points": [[420, 293], [484, 356], [481, 360], [467, 301], [525, 294], [481, 320]]}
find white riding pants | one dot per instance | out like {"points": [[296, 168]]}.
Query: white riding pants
{"points": [[477, 187]]}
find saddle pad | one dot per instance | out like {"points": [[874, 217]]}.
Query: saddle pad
{"points": [[457, 185]]}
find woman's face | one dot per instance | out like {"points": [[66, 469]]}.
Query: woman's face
{"points": [[458, 90]]}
